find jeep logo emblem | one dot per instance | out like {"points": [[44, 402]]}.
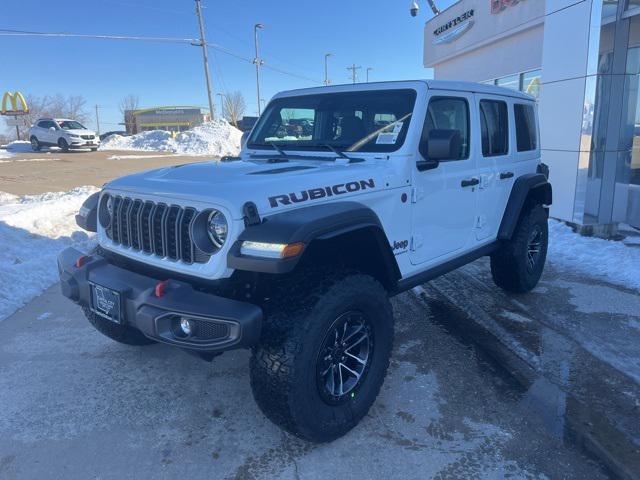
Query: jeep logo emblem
{"points": [[321, 192]]}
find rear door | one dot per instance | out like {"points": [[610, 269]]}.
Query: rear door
{"points": [[444, 198], [495, 162]]}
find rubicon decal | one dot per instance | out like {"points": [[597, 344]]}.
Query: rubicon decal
{"points": [[321, 192]]}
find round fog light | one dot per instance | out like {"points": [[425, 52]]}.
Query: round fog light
{"points": [[186, 326]]}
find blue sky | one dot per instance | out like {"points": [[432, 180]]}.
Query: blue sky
{"points": [[375, 33]]}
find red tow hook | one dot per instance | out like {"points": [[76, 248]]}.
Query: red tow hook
{"points": [[161, 287], [82, 259]]}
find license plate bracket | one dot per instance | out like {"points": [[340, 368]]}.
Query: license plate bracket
{"points": [[106, 302]]}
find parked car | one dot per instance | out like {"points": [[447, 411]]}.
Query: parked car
{"points": [[294, 248], [63, 133], [108, 134]]}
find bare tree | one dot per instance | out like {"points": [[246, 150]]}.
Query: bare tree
{"points": [[130, 102], [233, 107]]}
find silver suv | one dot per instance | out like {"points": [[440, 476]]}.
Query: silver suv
{"points": [[63, 133]]}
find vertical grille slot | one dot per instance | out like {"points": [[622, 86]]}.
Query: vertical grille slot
{"points": [[171, 232], [134, 222], [125, 224], [145, 227], [186, 245], [157, 224], [155, 228]]}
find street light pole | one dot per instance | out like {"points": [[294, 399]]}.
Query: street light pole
{"points": [[327, 82], [205, 58], [97, 120], [368, 70], [257, 61]]}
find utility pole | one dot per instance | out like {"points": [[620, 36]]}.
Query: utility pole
{"points": [[205, 57], [368, 70], [354, 70], [97, 120], [258, 62], [327, 82]]}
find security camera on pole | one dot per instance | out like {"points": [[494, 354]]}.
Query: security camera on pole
{"points": [[415, 8]]}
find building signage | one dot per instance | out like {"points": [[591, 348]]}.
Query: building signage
{"points": [[498, 6], [17, 103], [454, 29]]}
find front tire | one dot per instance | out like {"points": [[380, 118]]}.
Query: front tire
{"points": [[119, 333], [518, 265], [64, 146], [323, 354], [35, 144]]}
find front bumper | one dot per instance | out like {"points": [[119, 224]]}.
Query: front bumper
{"points": [[220, 323], [82, 143]]}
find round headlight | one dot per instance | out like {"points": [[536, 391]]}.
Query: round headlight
{"points": [[217, 228], [105, 211]]}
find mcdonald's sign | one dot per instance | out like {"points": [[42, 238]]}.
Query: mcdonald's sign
{"points": [[15, 100]]}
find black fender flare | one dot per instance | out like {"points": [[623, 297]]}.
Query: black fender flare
{"points": [[317, 222], [87, 217], [525, 186]]}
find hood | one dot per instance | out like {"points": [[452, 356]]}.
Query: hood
{"points": [[271, 186]]}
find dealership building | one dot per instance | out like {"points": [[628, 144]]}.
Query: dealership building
{"points": [[581, 59]]}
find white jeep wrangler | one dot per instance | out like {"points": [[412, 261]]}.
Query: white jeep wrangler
{"points": [[341, 197]]}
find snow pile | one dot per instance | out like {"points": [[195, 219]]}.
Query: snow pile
{"points": [[12, 148], [611, 260], [33, 230], [217, 138]]}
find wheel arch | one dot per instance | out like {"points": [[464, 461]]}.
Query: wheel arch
{"points": [[530, 187], [345, 233]]}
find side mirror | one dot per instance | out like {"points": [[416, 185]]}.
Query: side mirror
{"points": [[444, 145], [52, 129]]}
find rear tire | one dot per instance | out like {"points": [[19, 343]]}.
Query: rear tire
{"points": [[119, 333], [296, 369], [64, 146], [518, 265], [35, 144]]}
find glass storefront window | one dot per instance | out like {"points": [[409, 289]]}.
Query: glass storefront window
{"points": [[512, 82], [531, 83]]}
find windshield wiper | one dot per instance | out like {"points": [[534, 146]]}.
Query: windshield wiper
{"points": [[277, 148], [341, 154]]}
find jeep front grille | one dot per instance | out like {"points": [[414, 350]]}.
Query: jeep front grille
{"points": [[155, 228]]}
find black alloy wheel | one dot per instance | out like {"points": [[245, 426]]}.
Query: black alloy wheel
{"points": [[343, 359]]}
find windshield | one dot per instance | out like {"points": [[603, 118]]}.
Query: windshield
{"points": [[371, 121], [70, 125]]}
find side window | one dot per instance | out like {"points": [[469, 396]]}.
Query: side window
{"points": [[526, 135], [43, 124], [448, 114], [494, 126]]}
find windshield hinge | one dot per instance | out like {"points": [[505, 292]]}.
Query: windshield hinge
{"points": [[417, 194]]}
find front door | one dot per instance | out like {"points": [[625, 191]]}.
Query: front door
{"points": [[444, 198]]}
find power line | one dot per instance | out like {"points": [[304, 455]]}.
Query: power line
{"points": [[142, 38]]}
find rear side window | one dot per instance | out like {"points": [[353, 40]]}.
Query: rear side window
{"points": [[494, 123], [449, 113], [526, 135]]}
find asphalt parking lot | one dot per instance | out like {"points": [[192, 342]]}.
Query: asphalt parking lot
{"points": [[53, 170], [76, 405]]}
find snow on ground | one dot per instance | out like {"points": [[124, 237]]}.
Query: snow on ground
{"points": [[612, 260], [33, 230], [216, 138], [19, 146]]}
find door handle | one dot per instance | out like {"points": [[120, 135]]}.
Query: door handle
{"points": [[505, 175], [472, 182]]}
